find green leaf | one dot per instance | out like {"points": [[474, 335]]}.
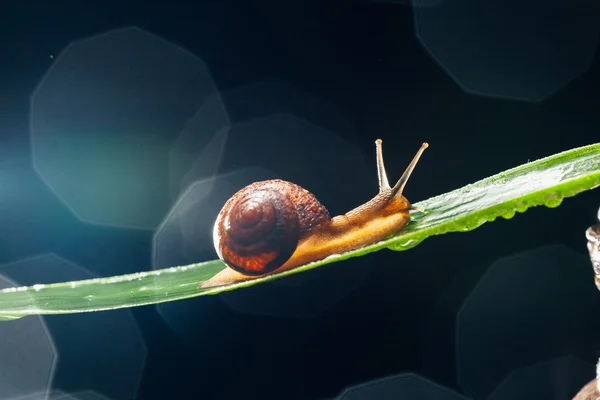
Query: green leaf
{"points": [[544, 182]]}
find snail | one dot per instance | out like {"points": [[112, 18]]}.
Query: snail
{"points": [[274, 226]]}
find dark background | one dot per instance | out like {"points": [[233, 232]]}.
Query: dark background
{"points": [[503, 312]]}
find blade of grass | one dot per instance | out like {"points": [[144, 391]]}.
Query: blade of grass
{"points": [[544, 182]]}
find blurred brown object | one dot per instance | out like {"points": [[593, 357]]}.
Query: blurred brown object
{"points": [[592, 235], [588, 392], [591, 391]]}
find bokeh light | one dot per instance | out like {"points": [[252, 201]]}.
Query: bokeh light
{"points": [[526, 309], [100, 350], [104, 119], [525, 50], [28, 355], [402, 386]]}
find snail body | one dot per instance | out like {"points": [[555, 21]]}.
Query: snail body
{"points": [[274, 226]]}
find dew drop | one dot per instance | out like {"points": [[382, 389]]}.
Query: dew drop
{"points": [[508, 214], [405, 245], [521, 207], [553, 201], [474, 224]]}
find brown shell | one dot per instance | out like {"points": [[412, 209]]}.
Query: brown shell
{"points": [[260, 226]]}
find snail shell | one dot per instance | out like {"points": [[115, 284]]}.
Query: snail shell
{"points": [[259, 228]]}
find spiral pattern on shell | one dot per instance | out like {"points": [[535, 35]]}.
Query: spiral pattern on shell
{"points": [[260, 226]]}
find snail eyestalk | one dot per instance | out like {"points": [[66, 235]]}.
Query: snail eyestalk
{"points": [[384, 184], [399, 186]]}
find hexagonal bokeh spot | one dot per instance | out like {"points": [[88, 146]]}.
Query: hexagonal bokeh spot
{"points": [[402, 386], [559, 378], [243, 104], [28, 354], [525, 50], [526, 309], [186, 235], [103, 120], [88, 345]]}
